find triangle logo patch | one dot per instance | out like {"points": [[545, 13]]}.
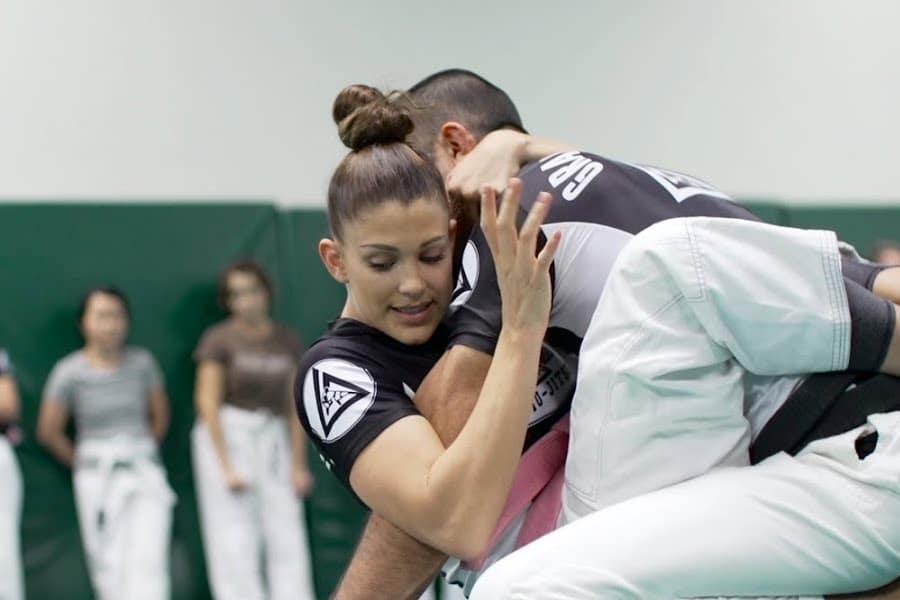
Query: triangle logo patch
{"points": [[336, 395]]}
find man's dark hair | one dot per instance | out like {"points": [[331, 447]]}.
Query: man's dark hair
{"points": [[461, 96]]}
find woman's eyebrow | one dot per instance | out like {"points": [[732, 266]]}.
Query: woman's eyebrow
{"points": [[389, 248], [383, 247], [435, 240]]}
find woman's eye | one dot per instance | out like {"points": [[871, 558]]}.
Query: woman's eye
{"points": [[434, 259], [380, 266]]}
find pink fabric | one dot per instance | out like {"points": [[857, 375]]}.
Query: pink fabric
{"points": [[538, 484]]}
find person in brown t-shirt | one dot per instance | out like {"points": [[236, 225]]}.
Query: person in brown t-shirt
{"points": [[248, 449]]}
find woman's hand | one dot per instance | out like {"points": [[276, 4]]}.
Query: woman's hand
{"points": [[303, 481], [235, 482], [524, 279]]}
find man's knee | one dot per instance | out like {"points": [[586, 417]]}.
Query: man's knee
{"points": [[650, 251]]}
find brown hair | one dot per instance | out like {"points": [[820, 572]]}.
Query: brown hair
{"points": [[248, 266], [380, 166]]}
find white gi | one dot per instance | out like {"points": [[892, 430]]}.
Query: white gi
{"points": [[125, 512], [11, 586], [265, 519], [694, 312]]}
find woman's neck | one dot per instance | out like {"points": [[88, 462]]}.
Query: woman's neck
{"points": [[102, 357], [260, 327]]}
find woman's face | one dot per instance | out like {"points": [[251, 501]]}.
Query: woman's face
{"points": [[248, 299], [105, 322], [397, 263]]}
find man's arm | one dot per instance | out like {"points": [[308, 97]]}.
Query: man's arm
{"points": [[388, 564]]}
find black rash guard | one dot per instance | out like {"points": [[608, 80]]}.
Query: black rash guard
{"points": [[599, 204]]}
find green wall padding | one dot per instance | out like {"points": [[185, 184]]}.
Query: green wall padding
{"points": [[768, 211], [860, 225], [165, 258]]}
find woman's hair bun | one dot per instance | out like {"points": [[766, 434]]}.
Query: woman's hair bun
{"points": [[364, 116]]}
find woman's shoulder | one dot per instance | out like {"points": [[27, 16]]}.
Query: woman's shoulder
{"points": [[138, 355], [287, 336], [221, 329], [340, 346], [70, 367], [72, 360]]}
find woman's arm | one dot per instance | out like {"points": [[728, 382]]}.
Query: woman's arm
{"points": [[51, 431], [9, 400], [302, 477], [160, 416], [451, 498], [209, 392]]}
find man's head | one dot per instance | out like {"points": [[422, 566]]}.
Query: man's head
{"points": [[452, 110]]}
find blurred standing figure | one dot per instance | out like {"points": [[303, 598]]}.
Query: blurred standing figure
{"points": [[886, 253], [11, 586], [248, 448], [117, 397]]}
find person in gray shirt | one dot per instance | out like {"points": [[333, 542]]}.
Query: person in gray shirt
{"points": [[116, 395]]}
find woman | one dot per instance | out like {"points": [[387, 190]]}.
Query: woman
{"points": [[249, 459], [11, 486], [115, 394], [391, 247]]}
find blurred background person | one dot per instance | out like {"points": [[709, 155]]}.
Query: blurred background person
{"points": [[118, 400], [248, 449], [11, 587], [886, 252]]}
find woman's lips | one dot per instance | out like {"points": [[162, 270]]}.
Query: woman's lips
{"points": [[417, 314]]}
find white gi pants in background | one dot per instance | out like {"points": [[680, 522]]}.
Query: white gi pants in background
{"points": [[125, 512], [254, 540], [690, 304], [11, 579]]}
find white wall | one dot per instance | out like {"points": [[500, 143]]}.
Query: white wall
{"points": [[141, 99]]}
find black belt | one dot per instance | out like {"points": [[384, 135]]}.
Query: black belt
{"points": [[824, 405]]}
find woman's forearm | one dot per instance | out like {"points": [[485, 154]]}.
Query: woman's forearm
{"points": [[61, 447], [469, 483], [9, 400], [208, 397], [160, 417]]}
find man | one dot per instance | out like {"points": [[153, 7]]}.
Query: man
{"points": [[600, 204]]}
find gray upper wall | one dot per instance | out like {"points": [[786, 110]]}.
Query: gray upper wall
{"points": [[230, 98]]}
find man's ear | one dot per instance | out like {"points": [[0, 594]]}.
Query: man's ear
{"points": [[333, 259], [456, 139]]}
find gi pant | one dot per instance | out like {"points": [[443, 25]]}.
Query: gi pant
{"points": [[125, 514], [691, 307], [254, 540], [11, 585]]}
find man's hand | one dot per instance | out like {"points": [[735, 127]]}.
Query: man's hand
{"points": [[496, 158]]}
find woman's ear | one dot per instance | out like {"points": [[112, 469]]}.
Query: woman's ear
{"points": [[333, 259]]}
